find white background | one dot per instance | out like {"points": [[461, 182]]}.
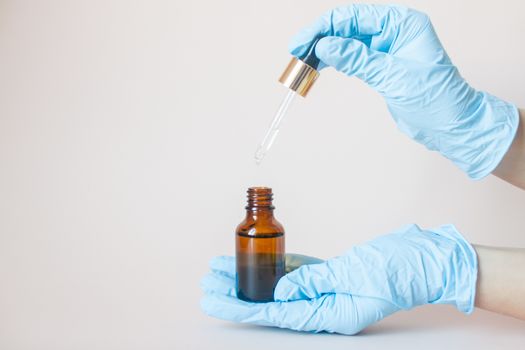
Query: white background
{"points": [[127, 133]]}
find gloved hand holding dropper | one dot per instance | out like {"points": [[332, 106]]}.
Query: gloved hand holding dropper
{"points": [[396, 51]]}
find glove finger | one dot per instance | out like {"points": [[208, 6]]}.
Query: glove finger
{"points": [[218, 283], [357, 20], [354, 58], [224, 265], [348, 314], [284, 315], [334, 313], [294, 315], [311, 281]]}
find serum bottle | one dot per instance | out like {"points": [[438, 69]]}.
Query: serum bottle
{"points": [[260, 257]]}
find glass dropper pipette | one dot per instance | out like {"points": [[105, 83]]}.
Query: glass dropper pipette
{"points": [[273, 130], [298, 76]]}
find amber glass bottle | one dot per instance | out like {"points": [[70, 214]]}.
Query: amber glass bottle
{"points": [[259, 248]]}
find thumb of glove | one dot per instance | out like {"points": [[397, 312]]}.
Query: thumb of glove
{"points": [[353, 58], [311, 281]]}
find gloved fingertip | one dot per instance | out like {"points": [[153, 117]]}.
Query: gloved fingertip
{"points": [[328, 40], [206, 304], [301, 43], [223, 263], [281, 289], [326, 47], [208, 283], [219, 260], [286, 290], [296, 49], [214, 305], [203, 283], [327, 43]]}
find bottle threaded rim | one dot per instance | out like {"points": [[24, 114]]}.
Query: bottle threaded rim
{"points": [[259, 196]]}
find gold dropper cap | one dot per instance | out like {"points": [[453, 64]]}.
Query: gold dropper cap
{"points": [[299, 76], [301, 73]]}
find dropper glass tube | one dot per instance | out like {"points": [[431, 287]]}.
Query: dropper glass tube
{"points": [[273, 130]]}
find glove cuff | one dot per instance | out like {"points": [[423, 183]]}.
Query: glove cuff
{"points": [[461, 278], [479, 144]]}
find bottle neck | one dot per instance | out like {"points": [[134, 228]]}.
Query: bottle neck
{"points": [[260, 202], [259, 213]]}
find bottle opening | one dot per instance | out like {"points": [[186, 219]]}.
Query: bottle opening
{"points": [[259, 189], [260, 196]]}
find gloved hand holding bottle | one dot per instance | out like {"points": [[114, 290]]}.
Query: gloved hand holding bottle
{"points": [[398, 271], [396, 51], [401, 270]]}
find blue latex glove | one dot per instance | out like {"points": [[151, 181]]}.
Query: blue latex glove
{"points": [[396, 51], [406, 268]]}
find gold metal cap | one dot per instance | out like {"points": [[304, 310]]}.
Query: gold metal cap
{"points": [[299, 76]]}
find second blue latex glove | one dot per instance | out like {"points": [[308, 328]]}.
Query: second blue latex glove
{"points": [[401, 270], [396, 51]]}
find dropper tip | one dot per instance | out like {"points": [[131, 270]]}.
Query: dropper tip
{"points": [[259, 155]]}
